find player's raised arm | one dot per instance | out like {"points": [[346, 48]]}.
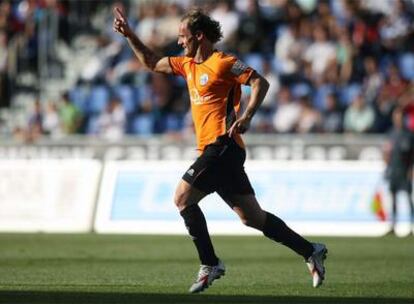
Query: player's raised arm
{"points": [[259, 87], [144, 54]]}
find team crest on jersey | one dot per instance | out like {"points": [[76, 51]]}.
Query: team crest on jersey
{"points": [[203, 79], [238, 68]]}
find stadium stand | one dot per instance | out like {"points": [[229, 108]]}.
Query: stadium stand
{"points": [[317, 50]]}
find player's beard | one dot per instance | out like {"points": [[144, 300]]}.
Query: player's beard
{"points": [[192, 47]]}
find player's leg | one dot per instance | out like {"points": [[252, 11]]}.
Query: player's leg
{"points": [[393, 211], [237, 191], [186, 199], [200, 180], [411, 204], [252, 215]]}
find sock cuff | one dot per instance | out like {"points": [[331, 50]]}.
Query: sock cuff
{"points": [[190, 210]]}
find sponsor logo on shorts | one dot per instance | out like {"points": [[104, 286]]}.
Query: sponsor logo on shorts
{"points": [[190, 172]]}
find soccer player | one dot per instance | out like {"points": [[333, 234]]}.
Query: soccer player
{"points": [[214, 82], [400, 163]]}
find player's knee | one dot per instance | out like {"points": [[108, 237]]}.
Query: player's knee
{"points": [[180, 200]]}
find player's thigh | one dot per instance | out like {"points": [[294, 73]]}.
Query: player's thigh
{"points": [[187, 195]]}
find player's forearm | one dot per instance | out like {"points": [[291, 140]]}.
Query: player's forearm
{"points": [[143, 53], [259, 89]]}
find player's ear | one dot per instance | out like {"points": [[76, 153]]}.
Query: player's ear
{"points": [[199, 35]]}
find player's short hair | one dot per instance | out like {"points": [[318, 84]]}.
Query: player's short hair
{"points": [[199, 21]]}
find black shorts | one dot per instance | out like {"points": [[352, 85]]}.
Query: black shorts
{"points": [[397, 184], [220, 169]]}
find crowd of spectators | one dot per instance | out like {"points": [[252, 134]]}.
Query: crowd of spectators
{"points": [[334, 65]]}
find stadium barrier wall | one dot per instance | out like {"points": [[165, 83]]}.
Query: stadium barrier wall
{"points": [[314, 198], [48, 195]]}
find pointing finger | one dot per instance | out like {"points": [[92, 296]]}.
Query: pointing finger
{"points": [[118, 13]]}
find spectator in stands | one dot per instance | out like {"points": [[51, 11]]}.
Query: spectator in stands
{"points": [[359, 117], [332, 120], [320, 54], [69, 115], [229, 20], [167, 27], [147, 25], [394, 85], [287, 113], [323, 13], [35, 122], [268, 105], [383, 106], [251, 35], [24, 48], [345, 53], [112, 122], [334, 47], [4, 86], [51, 124], [288, 51], [406, 103], [395, 26], [309, 118], [373, 80], [262, 121]]}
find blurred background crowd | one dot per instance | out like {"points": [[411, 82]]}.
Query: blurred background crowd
{"points": [[334, 66]]}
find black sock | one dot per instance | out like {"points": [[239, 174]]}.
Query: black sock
{"points": [[197, 228], [277, 230]]}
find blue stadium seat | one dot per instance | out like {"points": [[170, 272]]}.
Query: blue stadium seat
{"points": [[79, 97], [348, 93], [255, 61], [320, 95], [174, 122], [406, 65], [98, 99], [300, 89], [126, 94], [141, 94], [92, 126], [143, 124]]}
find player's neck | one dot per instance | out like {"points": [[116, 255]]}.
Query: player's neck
{"points": [[204, 51]]}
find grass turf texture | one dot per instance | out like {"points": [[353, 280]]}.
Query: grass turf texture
{"points": [[90, 268]]}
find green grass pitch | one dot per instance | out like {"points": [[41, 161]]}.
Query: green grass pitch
{"points": [[90, 268]]}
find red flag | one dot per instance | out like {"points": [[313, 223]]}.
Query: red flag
{"points": [[378, 206]]}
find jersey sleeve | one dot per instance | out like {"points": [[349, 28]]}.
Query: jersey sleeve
{"points": [[238, 71], [176, 64]]}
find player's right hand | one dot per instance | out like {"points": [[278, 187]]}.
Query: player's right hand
{"points": [[120, 24]]}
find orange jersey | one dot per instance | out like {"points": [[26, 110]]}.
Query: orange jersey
{"points": [[214, 87]]}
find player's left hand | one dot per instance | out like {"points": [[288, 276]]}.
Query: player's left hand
{"points": [[241, 125]]}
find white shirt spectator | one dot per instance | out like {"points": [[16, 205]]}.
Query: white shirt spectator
{"points": [[286, 117], [229, 20], [51, 121], [359, 117], [319, 55], [111, 123]]}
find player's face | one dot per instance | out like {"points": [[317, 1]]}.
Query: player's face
{"points": [[187, 40]]}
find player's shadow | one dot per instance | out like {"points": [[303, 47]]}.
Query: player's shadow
{"points": [[45, 297]]}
